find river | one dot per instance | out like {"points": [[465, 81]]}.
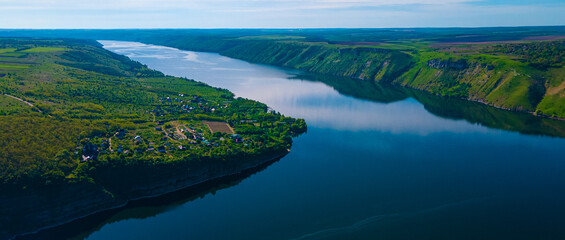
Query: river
{"points": [[389, 164]]}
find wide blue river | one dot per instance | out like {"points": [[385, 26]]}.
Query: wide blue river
{"points": [[383, 165]]}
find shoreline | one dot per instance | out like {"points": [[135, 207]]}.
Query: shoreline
{"points": [[256, 163], [481, 101]]}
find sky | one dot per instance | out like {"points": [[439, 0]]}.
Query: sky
{"points": [[104, 14]]}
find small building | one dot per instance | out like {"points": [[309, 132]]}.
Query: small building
{"points": [[89, 152], [248, 121], [161, 149], [120, 149], [104, 144], [120, 133], [87, 158], [237, 138], [158, 129]]}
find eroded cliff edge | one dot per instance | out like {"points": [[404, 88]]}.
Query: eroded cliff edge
{"points": [[29, 211]]}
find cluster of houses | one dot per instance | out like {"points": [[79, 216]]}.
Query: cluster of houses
{"points": [[91, 151], [151, 145], [160, 149], [195, 99], [194, 103]]}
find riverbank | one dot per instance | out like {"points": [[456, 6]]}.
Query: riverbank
{"points": [[485, 73], [110, 130], [522, 73], [36, 210], [359, 159]]}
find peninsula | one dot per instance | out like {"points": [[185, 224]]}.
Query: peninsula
{"points": [[85, 130]]}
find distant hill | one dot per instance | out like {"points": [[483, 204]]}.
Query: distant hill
{"points": [[514, 68]]}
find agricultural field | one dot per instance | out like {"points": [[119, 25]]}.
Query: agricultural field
{"points": [[221, 127], [12, 60]]}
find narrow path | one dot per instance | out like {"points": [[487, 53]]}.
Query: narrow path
{"points": [[555, 90], [21, 100], [26, 102], [179, 132], [167, 135]]}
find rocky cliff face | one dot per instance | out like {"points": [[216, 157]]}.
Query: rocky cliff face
{"points": [[29, 211], [442, 64]]}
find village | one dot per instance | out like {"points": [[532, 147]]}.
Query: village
{"points": [[167, 136]]}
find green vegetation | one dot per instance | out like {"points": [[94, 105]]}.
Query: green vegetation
{"points": [[13, 66], [9, 105], [77, 110], [523, 73], [451, 108], [44, 49], [541, 55], [515, 68]]}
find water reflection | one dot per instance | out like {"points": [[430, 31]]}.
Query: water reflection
{"points": [[389, 109], [142, 209], [376, 163]]}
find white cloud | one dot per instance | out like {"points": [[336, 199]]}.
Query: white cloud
{"points": [[273, 13], [224, 5]]}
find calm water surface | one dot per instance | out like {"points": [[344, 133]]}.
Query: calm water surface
{"points": [[364, 170]]}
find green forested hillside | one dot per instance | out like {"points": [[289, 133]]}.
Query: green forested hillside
{"points": [[69, 108], [518, 76]]}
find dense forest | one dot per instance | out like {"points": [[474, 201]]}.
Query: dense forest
{"points": [[69, 109]]}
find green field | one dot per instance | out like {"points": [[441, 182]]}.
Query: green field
{"points": [[7, 50], [13, 60], [44, 50], [4, 66]]}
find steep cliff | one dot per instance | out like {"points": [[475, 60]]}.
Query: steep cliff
{"points": [[29, 211]]}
